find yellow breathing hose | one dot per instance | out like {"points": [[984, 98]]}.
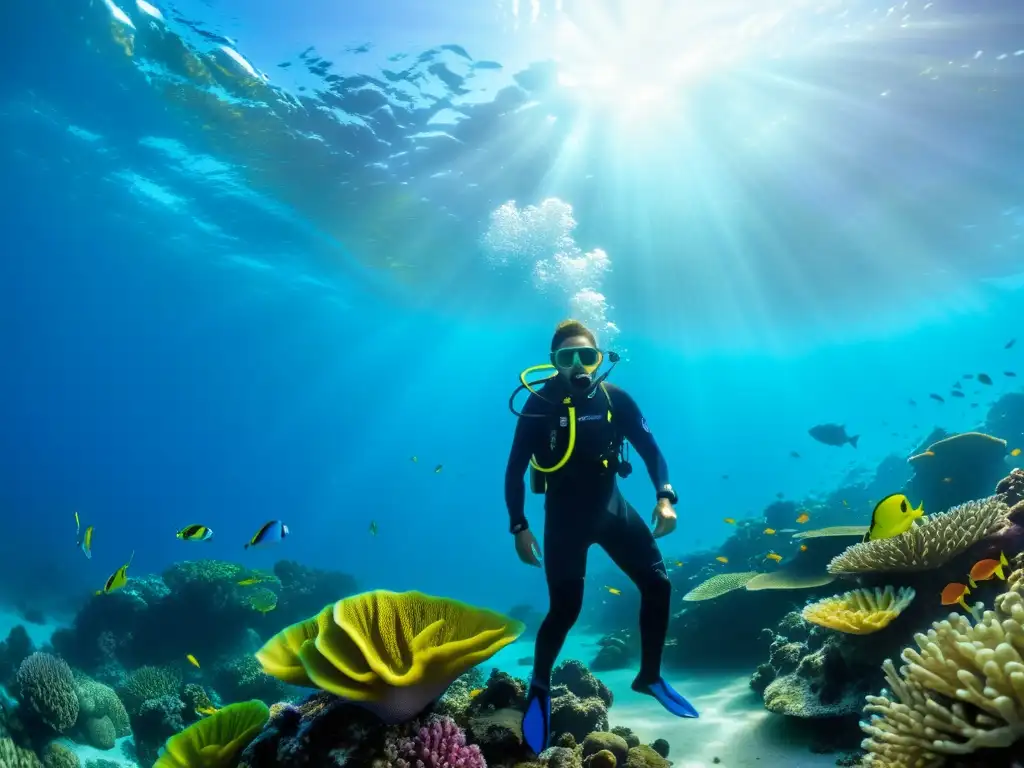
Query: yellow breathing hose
{"points": [[572, 416]]}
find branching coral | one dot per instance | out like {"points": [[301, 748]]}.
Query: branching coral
{"points": [[929, 545], [438, 744], [47, 687], [860, 611], [963, 690], [718, 585]]}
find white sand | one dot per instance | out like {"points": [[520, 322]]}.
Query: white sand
{"points": [[733, 724], [116, 755]]}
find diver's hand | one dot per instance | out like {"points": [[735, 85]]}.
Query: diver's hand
{"points": [[527, 548], [664, 519]]}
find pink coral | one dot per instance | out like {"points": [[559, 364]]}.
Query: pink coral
{"points": [[438, 744]]}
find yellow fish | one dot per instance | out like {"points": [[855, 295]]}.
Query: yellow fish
{"points": [[769, 531], [192, 660], [803, 547], [679, 563], [475, 692], [614, 591], [803, 518], [722, 559], [250, 581], [729, 520], [773, 556], [195, 533], [892, 516], [117, 579], [1015, 452], [845, 504], [84, 539], [205, 711]]}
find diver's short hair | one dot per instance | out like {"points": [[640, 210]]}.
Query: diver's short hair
{"points": [[569, 328]]}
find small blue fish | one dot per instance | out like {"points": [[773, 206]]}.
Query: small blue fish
{"points": [[271, 533], [84, 538]]}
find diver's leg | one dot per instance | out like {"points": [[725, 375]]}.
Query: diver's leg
{"points": [[631, 546], [565, 563]]}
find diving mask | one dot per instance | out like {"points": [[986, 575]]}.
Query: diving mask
{"points": [[587, 358]]}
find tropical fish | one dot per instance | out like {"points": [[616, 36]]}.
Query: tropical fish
{"points": [[787, 530], [833, 434], [438, 468], [773, 556], [953, 594], [475, 692], [984, 378], [195, 533], [729, 520], [892, 516], [205, 711], [803, 547], [679, 563], [958, 385], [413, 459], [769, 531], [911, 402], [984, 570], [1010, 374], [957, 393], [722, 559], [1015, 452], [1009, 344], [614, 591], [252, 580], [192, 660], [117, 579], [263, 600], [846, 503], [938, 398], [84, 538], [373, 527], [271, 533], [803, 517], [794, 454]]}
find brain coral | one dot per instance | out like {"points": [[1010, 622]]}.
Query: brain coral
{"points": [[929, 545], [47, 687]]}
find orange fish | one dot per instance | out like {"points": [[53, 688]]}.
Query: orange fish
{"points": [[803, 547], [953, 594], [722, 559], [773, 556], [729, 520], [984, 570], [803, 518]]}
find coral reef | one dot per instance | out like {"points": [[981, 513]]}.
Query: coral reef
{"points": [[154, 723], [57, 755], [956, 469], [47, 688], [929, 545], [215, 741], [438, 743], [99, 702], [304, 590], [617, 650]]}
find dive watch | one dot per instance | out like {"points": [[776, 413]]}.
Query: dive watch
{"points": [[668, 493], [519, 527]]}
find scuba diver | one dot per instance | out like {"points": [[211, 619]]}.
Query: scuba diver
{"points": [[571, 434]]}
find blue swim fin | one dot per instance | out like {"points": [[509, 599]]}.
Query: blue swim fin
{"points": [[537, 719], [668, 697]]}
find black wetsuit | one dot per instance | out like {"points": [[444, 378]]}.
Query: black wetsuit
{"points": [[584, 506]]}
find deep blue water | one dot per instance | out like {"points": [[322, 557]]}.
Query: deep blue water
{"points": [[227, 299]]}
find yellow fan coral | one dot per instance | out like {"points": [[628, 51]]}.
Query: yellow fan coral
{"points": [[393, 653], [718, 585], [215, 741], [860, 611]]}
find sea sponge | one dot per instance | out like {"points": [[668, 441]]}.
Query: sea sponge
{"points": [[217, 740], [718, 585], [960, 692], [860, 611], [391, 652], [47, 687], [929, 545]]}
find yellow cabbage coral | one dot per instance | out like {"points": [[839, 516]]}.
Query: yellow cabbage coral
{"points": [[217, 740], [962, 690], [718, 585], [860, 611], [933, 543], [393, 653]]}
